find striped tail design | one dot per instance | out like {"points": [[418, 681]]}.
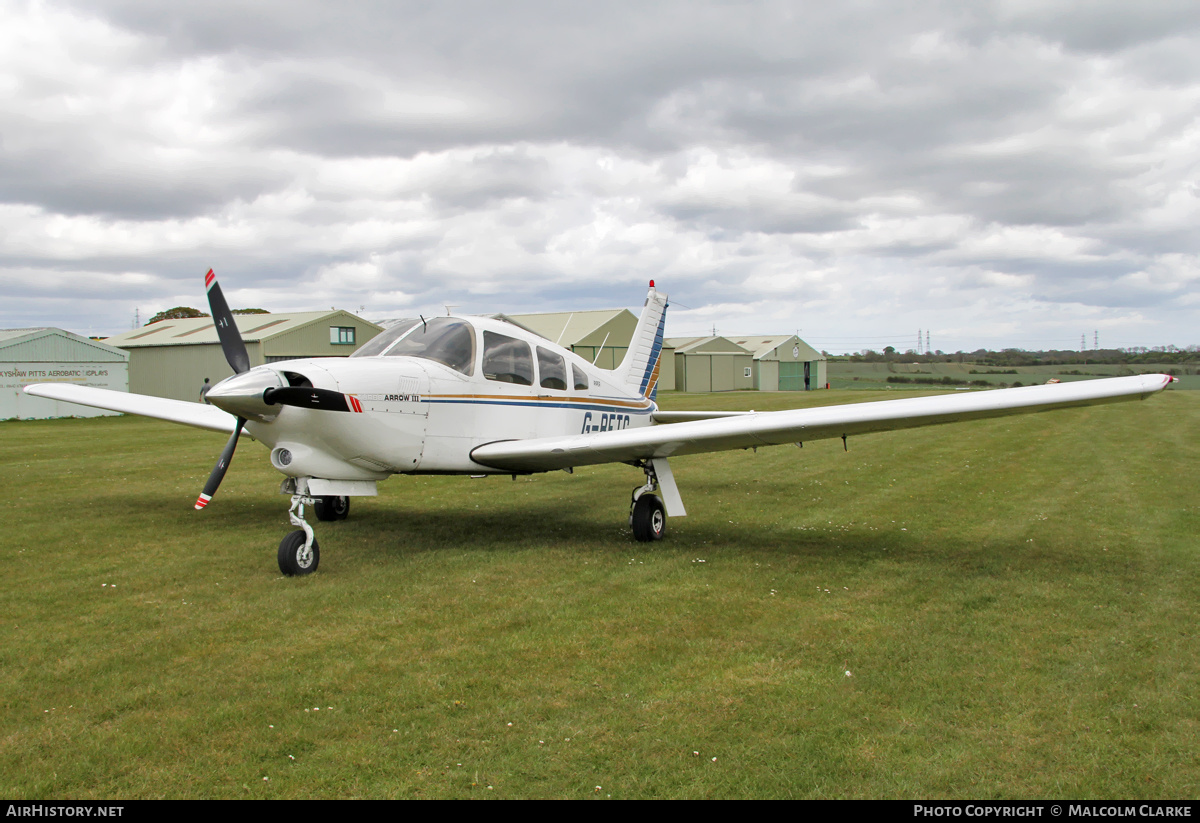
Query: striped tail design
{"points": [[639, 369]]}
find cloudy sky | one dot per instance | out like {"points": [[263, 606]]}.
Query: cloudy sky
{"points": [[999, 174]]}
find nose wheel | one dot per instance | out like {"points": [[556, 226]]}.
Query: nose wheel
{"points": [[297, 556], [298, 552]]}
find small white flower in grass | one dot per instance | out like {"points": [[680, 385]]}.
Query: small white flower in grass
{"points": [[510, 724], [695, 754], [266, 778], [848, 673], [714, 760]]}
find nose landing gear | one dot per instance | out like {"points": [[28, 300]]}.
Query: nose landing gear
{"points": [[299, 552]]}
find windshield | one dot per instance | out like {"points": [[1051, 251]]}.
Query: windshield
{"points": [[377, 344], [445, 340]]}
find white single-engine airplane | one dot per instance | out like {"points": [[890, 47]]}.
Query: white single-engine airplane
{"points": [[474, 396]]}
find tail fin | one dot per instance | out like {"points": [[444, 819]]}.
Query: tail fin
{"points": [[639, 369]]}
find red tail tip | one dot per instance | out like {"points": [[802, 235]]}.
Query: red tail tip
{"points": [[651, 284]]}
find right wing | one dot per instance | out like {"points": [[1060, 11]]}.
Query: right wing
{"points": [[687, 416], [798, 425], [177, 411]]}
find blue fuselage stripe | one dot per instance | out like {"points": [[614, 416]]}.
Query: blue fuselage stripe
{"points": [[544, 405]]}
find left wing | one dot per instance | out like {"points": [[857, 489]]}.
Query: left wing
{"points": [[177, 411], [797, 425]]}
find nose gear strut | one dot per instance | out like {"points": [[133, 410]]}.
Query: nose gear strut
{"points": [[299, 552]]}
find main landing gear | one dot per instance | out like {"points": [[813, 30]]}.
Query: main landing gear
{"points": [[647, 514], [330, 508]]}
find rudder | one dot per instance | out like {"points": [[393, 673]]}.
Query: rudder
{"points": [[639, 369]]}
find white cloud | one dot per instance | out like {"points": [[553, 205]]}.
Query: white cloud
{"points": [[985, 171]]}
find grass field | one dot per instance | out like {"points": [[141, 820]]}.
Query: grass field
{"points": [[999, 609]]}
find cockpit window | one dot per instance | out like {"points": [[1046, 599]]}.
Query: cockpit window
{"points": [[445, 340], [507, 360], [552, 370], [379, 343]]}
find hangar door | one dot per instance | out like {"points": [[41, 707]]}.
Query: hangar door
{"points": [[791, 376]]}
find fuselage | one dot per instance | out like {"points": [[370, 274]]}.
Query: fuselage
{"points": [[427, 393]]}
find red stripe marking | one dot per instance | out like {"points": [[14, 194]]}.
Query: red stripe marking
{"points": [[354, 404], [208, 279]]}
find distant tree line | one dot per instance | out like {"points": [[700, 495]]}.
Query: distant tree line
{"points": [[184, 312], [1011, 358]]}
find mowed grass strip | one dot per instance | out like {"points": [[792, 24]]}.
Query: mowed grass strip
{"points": [[994, 609]]}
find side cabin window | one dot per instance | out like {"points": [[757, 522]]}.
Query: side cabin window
{"points": [[445, 340], [552, 369], [581, 380], [507, 360]]}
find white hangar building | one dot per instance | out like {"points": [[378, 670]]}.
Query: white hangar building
{"points": [[46, 355]]}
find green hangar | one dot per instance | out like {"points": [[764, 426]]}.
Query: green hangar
{"points": [[172, 358]]}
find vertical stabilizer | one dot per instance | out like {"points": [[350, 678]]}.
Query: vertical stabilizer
{"points": [[639, 369]]}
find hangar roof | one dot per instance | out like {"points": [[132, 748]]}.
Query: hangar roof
{"points": [[46, 343], [568, 328], [196, 330], [705, 345], [763, 345]]}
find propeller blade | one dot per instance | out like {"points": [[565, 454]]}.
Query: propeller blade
{"points": [[218, 472], [323, 399], [227, 330]]}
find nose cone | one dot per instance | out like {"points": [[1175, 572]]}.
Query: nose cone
{"points": [[242, 394]]}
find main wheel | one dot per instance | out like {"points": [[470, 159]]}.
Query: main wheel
{"points": [[332, 508], [290, 561], [649, 518]]}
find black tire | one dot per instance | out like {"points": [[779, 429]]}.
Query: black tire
{"points": [[649, 519], [289, 555], [332, 508]]}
